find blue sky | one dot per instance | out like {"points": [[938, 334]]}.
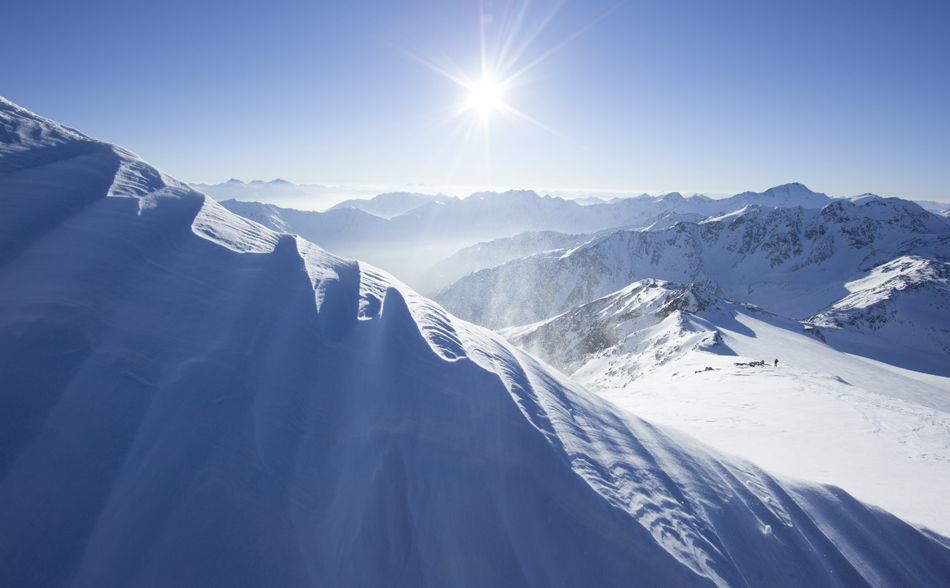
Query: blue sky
{"points": [[704, 95]]}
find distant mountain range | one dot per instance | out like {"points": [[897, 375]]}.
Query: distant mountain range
{"points": [[440, 226], [792, 261], [283, 193], [392, 204], [319, 197]]}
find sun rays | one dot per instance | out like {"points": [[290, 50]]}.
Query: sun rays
{"points": [[513, 43]]}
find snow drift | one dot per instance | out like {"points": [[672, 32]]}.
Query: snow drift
{"points": [[188, 398]]}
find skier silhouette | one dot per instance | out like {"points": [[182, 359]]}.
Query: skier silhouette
{"points": [[776, 362]]}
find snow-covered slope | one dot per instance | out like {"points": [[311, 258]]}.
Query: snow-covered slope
{"points": [[391, 204], [903, 304], [615, 339], [791, 261], [496, 252], [189, 398], [681, 355]]}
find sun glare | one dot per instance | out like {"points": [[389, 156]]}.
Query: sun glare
{"points": [[507, 54], [485, 96]]}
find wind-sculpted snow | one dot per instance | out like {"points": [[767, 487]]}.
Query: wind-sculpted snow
{"points": [[791, 261], [188, 398]]}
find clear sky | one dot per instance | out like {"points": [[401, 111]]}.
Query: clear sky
{"points": [[706, 95]]}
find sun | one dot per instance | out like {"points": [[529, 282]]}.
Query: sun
{"points": [[485, 96]]}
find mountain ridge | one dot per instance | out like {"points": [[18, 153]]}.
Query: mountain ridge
{"points": [[750, 254]]}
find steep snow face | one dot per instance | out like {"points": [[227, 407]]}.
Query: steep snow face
{"points": [[191, 398], [904, 302], [790, 261], [682, 356], [267, 214]]}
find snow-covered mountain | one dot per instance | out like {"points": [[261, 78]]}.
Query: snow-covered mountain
{"points": [[784, 196], [191, 398], [391, 204], [904, 303], [791, 261], [689, 358], [629, 332], [497, 252]]}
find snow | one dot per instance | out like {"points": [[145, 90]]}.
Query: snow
{"points": [[881, 433], [189, 398], [904, 304], [790, 261], [669, 353]]}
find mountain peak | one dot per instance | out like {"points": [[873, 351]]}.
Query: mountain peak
{"points": [[790, 189]]}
